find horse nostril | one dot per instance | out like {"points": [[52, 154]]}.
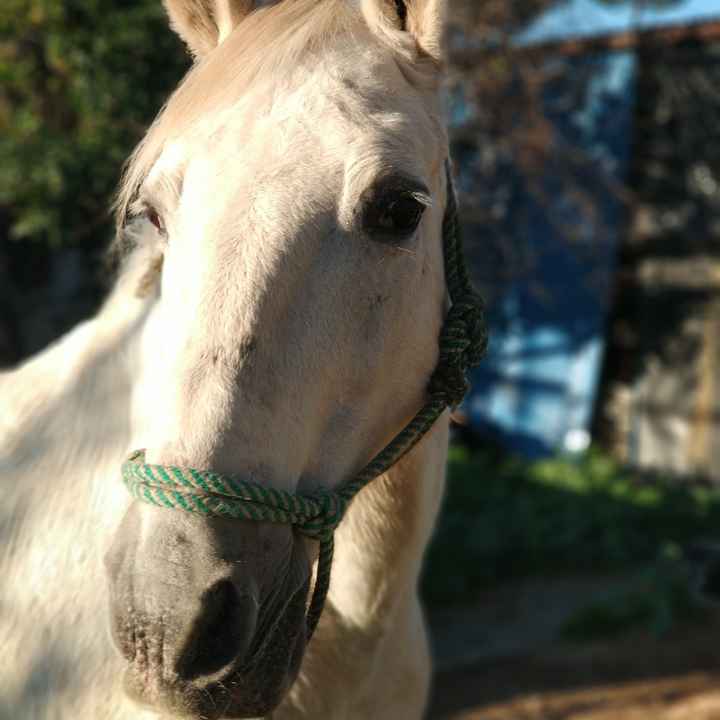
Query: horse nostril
{"points": [[221, 633]]}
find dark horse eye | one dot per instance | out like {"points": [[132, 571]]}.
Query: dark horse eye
{"points": [[393, 213], [398, 215]]}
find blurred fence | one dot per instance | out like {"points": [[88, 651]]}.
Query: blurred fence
{"points": [[661, 401]]}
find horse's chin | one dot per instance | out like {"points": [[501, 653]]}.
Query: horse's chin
{"points": [[233, 698], [240, 690]]}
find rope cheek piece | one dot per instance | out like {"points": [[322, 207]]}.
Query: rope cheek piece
{"points": [[463, 341]]}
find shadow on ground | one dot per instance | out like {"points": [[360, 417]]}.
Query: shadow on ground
{"points": [[638, 675]]}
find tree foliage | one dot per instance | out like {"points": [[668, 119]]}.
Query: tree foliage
{"points": [[79, 81]]}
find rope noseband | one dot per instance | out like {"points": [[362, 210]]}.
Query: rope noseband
{"points": [[463, 341]]}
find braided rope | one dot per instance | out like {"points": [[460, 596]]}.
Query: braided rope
{"points": [[462, 344]]}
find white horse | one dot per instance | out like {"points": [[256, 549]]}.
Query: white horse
{"points": [[277, 317]]}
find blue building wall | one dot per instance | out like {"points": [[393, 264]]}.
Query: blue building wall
{"points": [[536, 389]]}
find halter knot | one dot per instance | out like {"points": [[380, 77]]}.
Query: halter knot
{"points": [[463, 341], [329, 509]]}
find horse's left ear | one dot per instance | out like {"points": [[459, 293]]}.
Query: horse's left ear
{"points": [[424, 20], [204, 24]]}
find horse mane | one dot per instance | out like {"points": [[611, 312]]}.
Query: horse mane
{"points": [[268, 43]]}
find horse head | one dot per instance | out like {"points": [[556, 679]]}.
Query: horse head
{"points": [[294, 189]]}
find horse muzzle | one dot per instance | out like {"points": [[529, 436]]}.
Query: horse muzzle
{"points": [[208, 614]]}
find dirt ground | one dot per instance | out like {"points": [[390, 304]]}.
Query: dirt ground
{"points": [[635, 677]]}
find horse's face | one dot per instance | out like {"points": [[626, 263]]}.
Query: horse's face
{"points": [[300, 302]]}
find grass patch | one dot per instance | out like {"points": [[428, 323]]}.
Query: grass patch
{"points": [[656, 599], [506, 518]]}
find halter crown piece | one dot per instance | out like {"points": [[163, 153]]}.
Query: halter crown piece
{"points": [[463, 340]]}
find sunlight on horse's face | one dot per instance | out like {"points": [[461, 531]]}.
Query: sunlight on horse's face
{"points": [[300, 302]]}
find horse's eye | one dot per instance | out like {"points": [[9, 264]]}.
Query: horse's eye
{"points": [[154, 217], [394, 213]]}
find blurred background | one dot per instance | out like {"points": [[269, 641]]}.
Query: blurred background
{"points": [[576, 567]]}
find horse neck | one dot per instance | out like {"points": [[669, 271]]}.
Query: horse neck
{"points": [[381, 541], [64, 429], [70, 402]]}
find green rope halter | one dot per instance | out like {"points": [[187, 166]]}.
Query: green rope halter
{"points": [[463, 341]]}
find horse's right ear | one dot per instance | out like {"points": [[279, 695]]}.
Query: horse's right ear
{"points": [[204, 24], [423, 20]]}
